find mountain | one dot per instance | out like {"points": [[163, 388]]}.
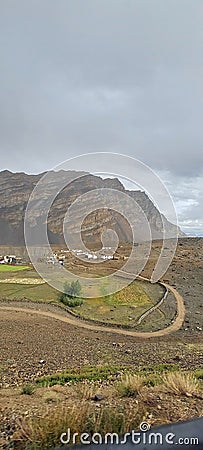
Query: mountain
{"points": [[15, 190]]}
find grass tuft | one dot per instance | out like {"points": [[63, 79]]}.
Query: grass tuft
{"points": [[181, 384], [44, 433], [130, 385], [28, 389]]}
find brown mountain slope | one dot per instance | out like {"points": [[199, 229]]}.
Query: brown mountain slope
{"points": [[15, 190]]}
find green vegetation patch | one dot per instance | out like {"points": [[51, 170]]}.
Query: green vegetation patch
{"points": [[39, 292], [198, 373], [28, 389], [99, 373], [159, 368], [70, 296], [153, 373], [122, 308], [9, 268], [91, 373]]}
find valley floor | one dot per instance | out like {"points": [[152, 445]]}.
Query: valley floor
{"points": [[34, 346]]}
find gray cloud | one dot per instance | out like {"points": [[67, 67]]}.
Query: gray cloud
{"points": [[112, 75], [187, 196]]}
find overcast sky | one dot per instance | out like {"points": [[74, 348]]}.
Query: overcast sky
{"points": [[125, 76]]}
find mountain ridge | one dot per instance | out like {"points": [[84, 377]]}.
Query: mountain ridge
{"points": [[16, 188]]}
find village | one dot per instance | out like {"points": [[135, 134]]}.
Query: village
{"points": [[63, 255], [11, 259], [58, 257]]}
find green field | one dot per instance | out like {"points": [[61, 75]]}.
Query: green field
{"points": [[42, 292], [8, 268], [15, 289], [121, 308]]}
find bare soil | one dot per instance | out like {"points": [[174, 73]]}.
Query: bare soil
{"points": [[27, 339]]}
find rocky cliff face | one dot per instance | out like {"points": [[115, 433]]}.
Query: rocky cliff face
{"points": [[15, 190]]}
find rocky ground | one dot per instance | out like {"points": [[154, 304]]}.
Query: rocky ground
{"points": [[186, 274], [29, 339], [32, 346]]}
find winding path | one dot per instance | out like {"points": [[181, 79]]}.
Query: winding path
{"points": [[153, 308], [175, 326]]}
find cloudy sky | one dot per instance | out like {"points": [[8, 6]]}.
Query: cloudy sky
{"points": [[121, 76]]}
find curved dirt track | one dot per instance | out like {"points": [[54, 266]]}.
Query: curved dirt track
{"points": [[176, 325]]}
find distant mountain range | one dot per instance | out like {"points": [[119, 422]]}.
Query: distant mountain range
{"points": [[15, 190]]}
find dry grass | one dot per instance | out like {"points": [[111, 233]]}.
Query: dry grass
{"points": [[181, 384], [125, 404], [130, 385], [42, 433], [86, 391], [51, 397], [115, 419]]}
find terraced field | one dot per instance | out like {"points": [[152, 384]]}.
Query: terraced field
{"points": [[9, 268], [122, 308]]}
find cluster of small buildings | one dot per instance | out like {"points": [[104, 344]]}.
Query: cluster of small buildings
{"points": [[55, 259], [103, 254], [59, 258], [10, 259], [92, 255]]}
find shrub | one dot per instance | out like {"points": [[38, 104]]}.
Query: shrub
{"points": [[71, 302], [181, 384], [73, 289], [70, 295], [130, 385], [28, 389]]}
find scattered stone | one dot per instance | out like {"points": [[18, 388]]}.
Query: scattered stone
{"points": [[98, 397], [177, 358], [120, 344], [86, 362]]}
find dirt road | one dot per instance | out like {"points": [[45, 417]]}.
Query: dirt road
{"points": [[176, 325]]}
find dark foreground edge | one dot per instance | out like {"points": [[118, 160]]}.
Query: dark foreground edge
{"points": [[187, 435]]}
